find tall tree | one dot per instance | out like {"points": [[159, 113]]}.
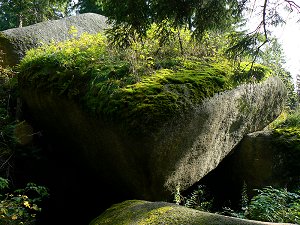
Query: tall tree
{"points": [[18, 13], [273, 57], [267, 14], [86, 6], [138, 15]]}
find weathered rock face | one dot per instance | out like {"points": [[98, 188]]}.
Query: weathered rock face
{"points": [[261, 159], [15, 42], [260, 162], [152, 165], [264, 159], [142, 212]]}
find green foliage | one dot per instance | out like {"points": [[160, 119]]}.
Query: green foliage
{"points": [[136, 17], [89, 6], [18, 13], [270, 204], [286, 136], [289, 140], [177, 196], [251, 72], [21, 206], [244, 197], [275, 205], [273, 57], [287, 131], [4, 184], [290, 120], [18, 206], [7, 140], [199, 199], [147, 79]]}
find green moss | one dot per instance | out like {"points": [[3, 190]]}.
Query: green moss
{"points": [[287, 141], [250, 72], [106, 82], [153, 216], [155, 213], [112, 215], [288, 136], [155, 98], [287, 130]]}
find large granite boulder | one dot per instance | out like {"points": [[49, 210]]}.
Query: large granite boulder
{"points": [[152, 163], [262, 158], [143, 212], [269, 158], [15, 42]]}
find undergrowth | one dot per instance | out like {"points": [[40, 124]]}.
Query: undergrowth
{"points": [[20, 206], [269, 204], [17, 205]]}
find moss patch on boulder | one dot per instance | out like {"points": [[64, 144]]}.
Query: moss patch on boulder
{"points": [[151, 124], [152, 213], [104, 82]]}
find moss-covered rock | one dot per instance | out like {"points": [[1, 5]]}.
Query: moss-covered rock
{"points": [[151, 130], [15, 42], [151, 163], [145, 213], [263, 158]]}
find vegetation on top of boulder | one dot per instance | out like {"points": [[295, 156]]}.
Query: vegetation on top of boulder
{"points": [[287, 130], [147, 79], [286, 133]]}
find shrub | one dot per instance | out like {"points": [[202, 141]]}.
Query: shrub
{"points": [[21, 206], [291, 120], [199, 199], [274, 205]]}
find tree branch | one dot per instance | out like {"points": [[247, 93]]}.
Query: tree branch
{"points": [[293, 5]]}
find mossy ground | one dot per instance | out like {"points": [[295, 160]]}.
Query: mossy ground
{"points": [[123, 86]]}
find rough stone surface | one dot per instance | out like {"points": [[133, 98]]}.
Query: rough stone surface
{"points": [[224, 120], [151, 166], [15, 42], [263, 159], [259, 161], [143, 212]]}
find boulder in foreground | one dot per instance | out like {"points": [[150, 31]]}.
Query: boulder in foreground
{"points": [[143, 212]]}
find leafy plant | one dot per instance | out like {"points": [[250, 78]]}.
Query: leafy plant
{"points": [[21, 206], [291, 120], [199, 200], [274, 205]]}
